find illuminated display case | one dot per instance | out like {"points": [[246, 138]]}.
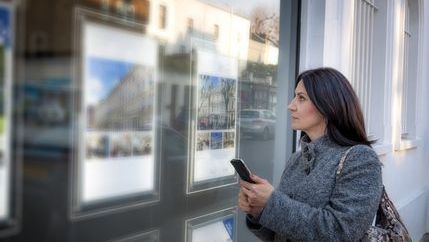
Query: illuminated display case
{"points": [[213, 133], [115, 129], [218, 226]]}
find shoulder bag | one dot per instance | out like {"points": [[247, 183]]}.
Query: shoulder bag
{"points": [[388, 224]]}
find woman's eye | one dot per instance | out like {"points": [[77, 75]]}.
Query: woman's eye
{"points": [[301, 98]]}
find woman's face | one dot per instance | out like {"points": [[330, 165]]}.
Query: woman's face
{"points": [[305, 115]]}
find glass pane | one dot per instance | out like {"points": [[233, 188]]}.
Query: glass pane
{"points": [[132, 111], [117, 132]]}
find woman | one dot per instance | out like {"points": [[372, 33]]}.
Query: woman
{"points": [[312, 201]]}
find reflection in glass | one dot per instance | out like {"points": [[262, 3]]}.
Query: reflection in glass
{"points": [[135, 10], [186, 68], [162, 16]]}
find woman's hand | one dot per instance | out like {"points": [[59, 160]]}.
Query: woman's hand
{"points": [[255, 195], [243, 204]]}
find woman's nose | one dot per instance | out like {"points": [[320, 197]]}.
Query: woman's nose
{"points": [[291, 107]]}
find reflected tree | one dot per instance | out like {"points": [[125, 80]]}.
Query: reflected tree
{"points": [[228, 94]]}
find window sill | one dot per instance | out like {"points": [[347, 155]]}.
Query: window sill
{"points": [[407, 144], [382, 149]]}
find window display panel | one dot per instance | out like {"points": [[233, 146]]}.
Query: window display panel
{"points": [[214, 142], [116, 129], [6, 52], [125, 99], [216, 227]]}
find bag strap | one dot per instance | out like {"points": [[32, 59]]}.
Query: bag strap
{"points": [[341, 164], [340, 169], [386, 212], [387, 215]]}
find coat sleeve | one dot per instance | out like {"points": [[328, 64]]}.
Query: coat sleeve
{"points": [[349, 213], [258, 230], [253, 224]]}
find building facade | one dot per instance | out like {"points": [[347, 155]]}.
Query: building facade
{"points": [[383, 48]]}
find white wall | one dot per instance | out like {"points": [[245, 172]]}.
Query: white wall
{"points": [[405, 171], [423, 109], [312, 34]]}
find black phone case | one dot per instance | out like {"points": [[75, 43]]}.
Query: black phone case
{"points": [[242, 170]]}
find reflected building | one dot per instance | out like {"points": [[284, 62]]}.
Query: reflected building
{"points": [[202, 25], [258, 86], [129, 106], [259, 79], [133, 10]]}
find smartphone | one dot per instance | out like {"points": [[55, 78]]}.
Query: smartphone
{"points": [[242, 170]]}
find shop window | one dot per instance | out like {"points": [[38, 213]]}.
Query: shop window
{"points": [[410, 72], [367, 49]]}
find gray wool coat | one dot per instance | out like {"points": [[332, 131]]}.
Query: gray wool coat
{"points": [[313, 203]]}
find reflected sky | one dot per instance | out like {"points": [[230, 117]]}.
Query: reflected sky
{"points": [[104, 75], [4, 26], [210, 81]]}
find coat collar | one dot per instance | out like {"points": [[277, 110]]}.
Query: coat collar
{"points": [[311, 148]]}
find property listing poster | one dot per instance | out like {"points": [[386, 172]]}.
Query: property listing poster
{"points": [[215, 136], [6, 51], [117, 138]]}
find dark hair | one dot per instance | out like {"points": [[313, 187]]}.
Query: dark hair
{"points": [[334, 97]]}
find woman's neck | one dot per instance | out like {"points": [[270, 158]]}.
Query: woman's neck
{"points": [[315, 134]]}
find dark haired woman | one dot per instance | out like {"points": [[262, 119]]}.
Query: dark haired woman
{"points": [[312, 201]]}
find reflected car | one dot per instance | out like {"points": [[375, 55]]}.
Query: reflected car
{"points": [[257, 122]]}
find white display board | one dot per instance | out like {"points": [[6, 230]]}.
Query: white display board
{"points": [[213, 232], [216, 227], [6, 53], [117, 121], [214, 137]]}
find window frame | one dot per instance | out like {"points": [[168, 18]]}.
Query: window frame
{"points": [[410, 73]]}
